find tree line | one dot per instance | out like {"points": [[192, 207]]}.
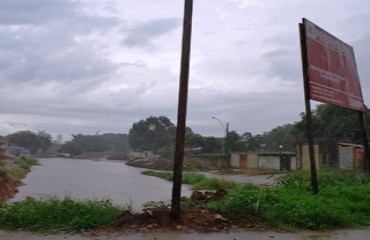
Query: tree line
{"points": [[158, 134]]}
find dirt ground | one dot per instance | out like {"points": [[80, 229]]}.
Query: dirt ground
{"points": [[195, 220], [158, 219]]}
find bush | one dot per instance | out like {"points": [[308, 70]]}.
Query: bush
{"points": [[245, 198], [25, 163], [55, 214], [3, 169], [167, 152], [164, 175], [343, 201]]}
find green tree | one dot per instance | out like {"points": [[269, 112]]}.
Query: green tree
{"points": [[152, 134], [212, 144], [108, 142], [332, 121], [236, 143], [193, 140], [273, 139], [30, 140]]}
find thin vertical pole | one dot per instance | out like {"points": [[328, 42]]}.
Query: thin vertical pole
{"points": [[181, 114], [314, 183], [365, 142]]}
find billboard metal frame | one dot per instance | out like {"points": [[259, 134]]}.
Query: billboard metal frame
{"points": [[332, 69], [329, 76]]}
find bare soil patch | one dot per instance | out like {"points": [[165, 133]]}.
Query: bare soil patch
{"points": [[197, 219]]}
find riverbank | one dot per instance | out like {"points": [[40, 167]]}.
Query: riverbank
{"points": [[10, 177], [190, 164], [275, 207]]}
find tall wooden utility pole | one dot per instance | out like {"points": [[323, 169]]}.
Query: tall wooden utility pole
{"points": [[181, 114]]}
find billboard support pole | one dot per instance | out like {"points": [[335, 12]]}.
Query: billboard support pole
{"points": [[314, 183], [181, 112], [365, 141]]}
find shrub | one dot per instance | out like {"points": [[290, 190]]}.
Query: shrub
{"points": [[25, 163], [245, 198], [3, 169], [55, 214], [343, 201]]}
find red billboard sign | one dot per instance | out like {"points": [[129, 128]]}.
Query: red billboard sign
{"points": [[332, 70]]}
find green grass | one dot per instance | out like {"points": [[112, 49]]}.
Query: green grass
{"points": [[56, 215], [197, 180], [3, 168], [164, 175], [244, 198], [25, 163], [343, 201]]}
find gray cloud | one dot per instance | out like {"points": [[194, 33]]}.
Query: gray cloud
{"points": [[20, 12], [142, 34], [45, 49], [81, 66]]}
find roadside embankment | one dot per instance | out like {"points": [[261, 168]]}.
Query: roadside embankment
{"points": [[11, 173]]}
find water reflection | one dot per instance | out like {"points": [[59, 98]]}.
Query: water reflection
{"points": [[94, 180]]}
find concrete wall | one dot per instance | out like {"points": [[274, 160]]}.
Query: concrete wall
{"points": [[269, 162], [234, 160], [293, 163], [304, 162], [351, 156], [253, 160], [238, 160]]}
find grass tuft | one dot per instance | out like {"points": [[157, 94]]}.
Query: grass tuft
{"points": [[25, 163], [343, 201], [56, 214], [197, 180]]}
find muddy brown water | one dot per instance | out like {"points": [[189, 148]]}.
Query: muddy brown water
{"points": [[89, 179], [94, 180]]}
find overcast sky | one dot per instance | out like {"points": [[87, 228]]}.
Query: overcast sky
{"points": [[88, 66]]}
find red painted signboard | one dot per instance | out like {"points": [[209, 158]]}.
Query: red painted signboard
{"points": [[332, 70]]}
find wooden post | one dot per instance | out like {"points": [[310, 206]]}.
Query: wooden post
{"points": [[181, 114], [314, 183]]}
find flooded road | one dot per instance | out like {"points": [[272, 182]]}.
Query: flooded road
{"points": [[94, 180]]}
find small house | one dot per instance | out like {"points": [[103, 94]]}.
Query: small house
{"points": [[277, 161], [243, 161], [325, 153], [351, 156]]}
